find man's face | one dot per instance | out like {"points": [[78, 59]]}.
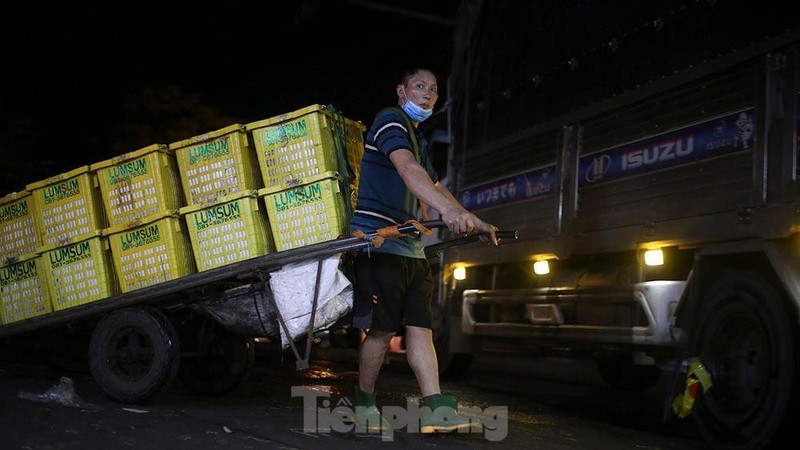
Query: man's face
{"points": [[420, 89]]}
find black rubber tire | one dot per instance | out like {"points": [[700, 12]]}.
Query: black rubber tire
{"points": [[746, 340], [134, 354], [618, 371], [216, 361], [452, 365]]}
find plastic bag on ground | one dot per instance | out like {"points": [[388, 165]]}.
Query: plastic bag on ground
{"points": [[62, 393]]}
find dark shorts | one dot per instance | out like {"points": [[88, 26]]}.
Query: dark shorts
{"points": [[391, 292]]}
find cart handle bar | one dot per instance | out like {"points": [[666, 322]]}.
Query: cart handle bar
{"points": [[380, 234]]}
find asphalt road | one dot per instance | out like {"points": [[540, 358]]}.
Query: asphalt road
{"points": [[554, 404]]}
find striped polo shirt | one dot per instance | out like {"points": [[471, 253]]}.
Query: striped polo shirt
{"points": [[383, 198]]}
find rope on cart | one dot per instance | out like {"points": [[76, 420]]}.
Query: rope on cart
{"points": [[393, 231]]}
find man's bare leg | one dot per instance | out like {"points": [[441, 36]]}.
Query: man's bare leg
{"points": [[371, 357], [421, 356]]}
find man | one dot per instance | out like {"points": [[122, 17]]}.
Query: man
{"points": [[396, 179]]}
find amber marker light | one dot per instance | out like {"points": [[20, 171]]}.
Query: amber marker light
{"points": [[541, 267], [654, 257]]}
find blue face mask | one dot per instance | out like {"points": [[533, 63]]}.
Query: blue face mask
{"points": [[416, 113]]}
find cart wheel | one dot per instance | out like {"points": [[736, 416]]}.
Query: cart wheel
{"points": [[215, 361], [134, 354]]}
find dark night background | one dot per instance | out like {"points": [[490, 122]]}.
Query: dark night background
{"points": [[82, 82]]}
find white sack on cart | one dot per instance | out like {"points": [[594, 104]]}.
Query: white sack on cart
{"points": [[293, 290]]}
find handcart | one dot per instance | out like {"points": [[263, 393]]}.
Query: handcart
{"points": [[200, 327]]}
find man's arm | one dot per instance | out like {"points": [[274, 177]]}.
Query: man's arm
{"points": [[453, 214]]}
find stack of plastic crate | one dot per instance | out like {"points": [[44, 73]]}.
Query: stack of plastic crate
{"points": [[23, 292], [309, 162], [74, 258], [141, 196], [220, 180]]}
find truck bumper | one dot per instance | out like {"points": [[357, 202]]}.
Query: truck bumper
{"points": [[640, 315]]}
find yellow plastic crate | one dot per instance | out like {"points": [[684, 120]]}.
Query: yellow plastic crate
{"points": [[23, 291], [139, 184], [154, 252], [232, 230], [294, 147], [18, 234], [216, 164], [306, 214], [67, 206], [80, 272]]}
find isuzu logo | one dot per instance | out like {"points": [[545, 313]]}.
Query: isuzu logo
{"points": [[597, 168], [658, 153]]}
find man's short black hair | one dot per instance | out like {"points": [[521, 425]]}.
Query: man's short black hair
{"points": [[408, 73]]}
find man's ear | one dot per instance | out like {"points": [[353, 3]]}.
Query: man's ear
{"points": [[401, 92]]}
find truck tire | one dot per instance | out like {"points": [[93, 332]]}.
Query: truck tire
{"points": [[134, 354], [215, 361], [746, 339]]}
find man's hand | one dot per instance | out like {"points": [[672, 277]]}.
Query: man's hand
{"points": [[488, 235], [461, 221]]}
